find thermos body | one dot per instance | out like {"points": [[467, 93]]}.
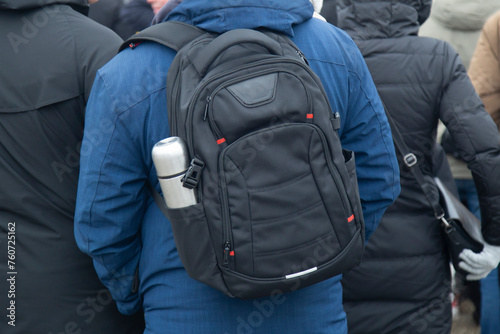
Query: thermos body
{"points": [[171, 160]]}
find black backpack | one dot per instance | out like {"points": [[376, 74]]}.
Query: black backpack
{"points": [[278, 203]]}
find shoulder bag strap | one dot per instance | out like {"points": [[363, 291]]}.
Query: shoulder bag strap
{"points": [[410, 160]]}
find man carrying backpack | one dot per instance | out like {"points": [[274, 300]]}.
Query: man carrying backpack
{"points": [[119, 224]]}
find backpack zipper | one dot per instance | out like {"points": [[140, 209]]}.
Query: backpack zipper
{"points": [[301, 55], [334, 171], [208, 112], [208, 99], [190, 112], [226, 225]]}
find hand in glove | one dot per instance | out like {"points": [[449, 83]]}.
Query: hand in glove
{"points": [[479, 265]]}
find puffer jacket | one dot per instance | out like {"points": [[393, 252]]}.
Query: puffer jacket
{"points": [[403, 282], [329, 11], [50, 53], [458, 22], [484, 71]]}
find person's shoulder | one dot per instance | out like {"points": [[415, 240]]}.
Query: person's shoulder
{"points": [[326, 43], [492, 25], [83, 26], [135, 74], [425, 45]]}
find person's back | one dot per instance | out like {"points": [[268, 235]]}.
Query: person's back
{"points": [[118, 169], [50, 55], [403, 283]]}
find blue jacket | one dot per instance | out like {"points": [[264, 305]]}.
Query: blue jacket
{"points": [[120, 226]]}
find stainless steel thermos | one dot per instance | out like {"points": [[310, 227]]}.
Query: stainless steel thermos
{"points": [[170, 157]]}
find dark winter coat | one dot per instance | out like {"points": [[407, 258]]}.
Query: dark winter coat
{"points": [[106, 12], [49, 56], [136, 16], [329, 11], [403, 283]]}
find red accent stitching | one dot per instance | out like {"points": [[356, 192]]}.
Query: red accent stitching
{"points": [[350, 219], [231, 253], [310, 115], [220, 141]]}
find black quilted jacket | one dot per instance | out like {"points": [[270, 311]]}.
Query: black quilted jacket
{"points": [[49, 56], [403, 284]]}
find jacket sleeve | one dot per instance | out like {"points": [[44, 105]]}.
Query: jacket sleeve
{"points": [[94, 46], [476, 137], [366, 131], [112, 197]]}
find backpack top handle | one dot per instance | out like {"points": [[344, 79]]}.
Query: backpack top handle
{"points": [[173, 34], [231, 38]]}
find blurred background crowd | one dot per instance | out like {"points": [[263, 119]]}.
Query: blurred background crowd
{"points": [[125, 17]]}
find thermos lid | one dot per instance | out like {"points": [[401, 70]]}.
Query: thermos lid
{"points": [[170, 156]]}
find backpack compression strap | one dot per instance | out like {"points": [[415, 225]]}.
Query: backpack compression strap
{"points": [[172, 34]]}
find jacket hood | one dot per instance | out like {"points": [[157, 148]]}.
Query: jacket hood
{"points": [[222, 15], [463, 14], [31, 4], [367, 19]]}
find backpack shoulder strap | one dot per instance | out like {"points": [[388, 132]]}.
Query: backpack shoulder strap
{"points": [[172, 34], [160, 202]]}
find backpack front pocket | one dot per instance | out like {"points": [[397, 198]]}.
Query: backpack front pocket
{"points": [[284, 205]]}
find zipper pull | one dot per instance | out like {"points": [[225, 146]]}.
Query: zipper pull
{"points": [[206, 107], [335, 120], [227, 249], [302, 57]]}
